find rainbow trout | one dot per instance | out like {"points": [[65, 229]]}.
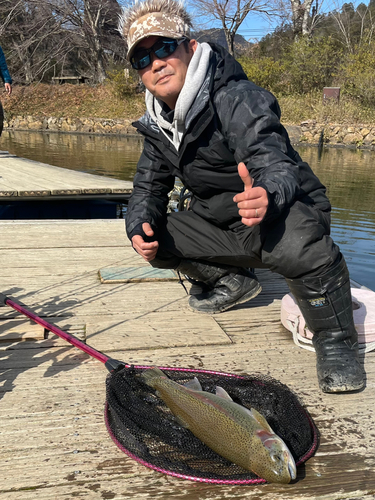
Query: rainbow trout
{"points": [[240, 435]]}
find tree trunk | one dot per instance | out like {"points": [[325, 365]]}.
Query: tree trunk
{"points": [[306, 17], [300, 17], [25, 58], [229, 36], [99, 60], [93, 18]]}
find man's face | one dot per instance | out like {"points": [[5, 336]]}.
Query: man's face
{"points": [[164, 78]]}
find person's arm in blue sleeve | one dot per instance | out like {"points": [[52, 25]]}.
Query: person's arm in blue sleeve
{"points": [[4, 73]]}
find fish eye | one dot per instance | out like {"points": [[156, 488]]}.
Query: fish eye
{"points": [[275, 456]]}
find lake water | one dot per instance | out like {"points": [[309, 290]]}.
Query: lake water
{"points": [[348, 174]]}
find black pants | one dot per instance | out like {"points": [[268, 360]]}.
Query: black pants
{"points": [[297, 244]]}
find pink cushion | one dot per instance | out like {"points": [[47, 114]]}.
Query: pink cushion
{"points": [[363, 313]]}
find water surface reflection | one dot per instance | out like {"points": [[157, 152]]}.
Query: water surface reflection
{"points": [[111, 156], [350, 180]]}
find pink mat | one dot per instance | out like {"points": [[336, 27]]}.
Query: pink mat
{"points": [[363, 313]]}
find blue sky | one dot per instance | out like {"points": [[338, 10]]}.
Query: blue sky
{"points": [[256, 26], [252, 29]]}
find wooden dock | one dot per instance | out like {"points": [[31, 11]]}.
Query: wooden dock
{"points": [[25, 179], [53, 440]]}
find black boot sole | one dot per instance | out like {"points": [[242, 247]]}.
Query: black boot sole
{"points": [[334, 378], [327, 389], [247, 296]]}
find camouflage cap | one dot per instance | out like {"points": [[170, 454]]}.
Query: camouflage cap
{"points": [[156, 24]]}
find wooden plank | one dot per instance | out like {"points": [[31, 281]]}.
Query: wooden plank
{"points": [[53, 234], [21, 179], [54, 443], [122, 333], [30, 178], [84, 432], [70, 259], [135, 274], [6, 189], [55, 175], [22, 329], [154, 329], [80, 297]]}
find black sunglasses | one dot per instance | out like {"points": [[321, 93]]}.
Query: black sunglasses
{"points": [[162, 48]]}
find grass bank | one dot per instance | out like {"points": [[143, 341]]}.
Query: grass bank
{"points": [[72, 101], [104, 101]]}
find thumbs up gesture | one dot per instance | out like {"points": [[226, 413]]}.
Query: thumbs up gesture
{"points": [[252, 202]]}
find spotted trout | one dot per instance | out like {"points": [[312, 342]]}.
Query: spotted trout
{"points": [[238, 434]]}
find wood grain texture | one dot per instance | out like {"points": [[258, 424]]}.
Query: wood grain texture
{"points": [[135, 274], [23, 178], [53, 440]]}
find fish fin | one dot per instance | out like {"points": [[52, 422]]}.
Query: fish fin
{"points": [[268, 438], [151, 374], [181, 421], [193, 384], [261, 420], [222, 393]]}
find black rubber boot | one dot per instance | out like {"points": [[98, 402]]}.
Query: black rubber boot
{"points": [[326, 305], [198, 287], [225, 286]]}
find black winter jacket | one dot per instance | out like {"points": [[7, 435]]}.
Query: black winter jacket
{"points": [[231, 120]]}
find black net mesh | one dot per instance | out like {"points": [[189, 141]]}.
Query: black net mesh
{"points": [[143, 426]]}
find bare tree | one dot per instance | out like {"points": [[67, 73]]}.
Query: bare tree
{"points": [[355, 26], [88, 21], [45, 35], [301, 16], [230, 14], [34, 38]]}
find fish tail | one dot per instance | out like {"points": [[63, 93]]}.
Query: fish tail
{"points": [[151, 375]]}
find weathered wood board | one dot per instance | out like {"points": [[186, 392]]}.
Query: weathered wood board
{"points": [[135, 274], [69, 234], [19, 330], [23, 178], [53, 440]]}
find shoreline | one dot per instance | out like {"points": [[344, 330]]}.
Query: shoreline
{"points": [[309, 132]]}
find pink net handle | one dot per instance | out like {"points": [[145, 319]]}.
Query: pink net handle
{"points": [[54, 329]]}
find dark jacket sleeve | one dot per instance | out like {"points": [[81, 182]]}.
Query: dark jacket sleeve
{"points": [[250, 118], [152, 183], [4, 73]]}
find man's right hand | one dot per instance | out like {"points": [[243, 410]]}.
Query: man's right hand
{"points": [[252, 202], [147, 250]]}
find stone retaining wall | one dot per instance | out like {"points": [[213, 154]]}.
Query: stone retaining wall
{"points": [[308, 132], [73, 125]]}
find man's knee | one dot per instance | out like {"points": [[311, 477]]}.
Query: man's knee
{"points": [[165, 263], [300, 244]]}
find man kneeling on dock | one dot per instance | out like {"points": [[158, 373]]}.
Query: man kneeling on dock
{"points": [[254, 204]]}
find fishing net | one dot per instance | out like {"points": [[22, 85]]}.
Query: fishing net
{"points": [[142, 426]]}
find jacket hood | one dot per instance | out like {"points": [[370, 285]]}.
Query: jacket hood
{"points": [[227, 68]]}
